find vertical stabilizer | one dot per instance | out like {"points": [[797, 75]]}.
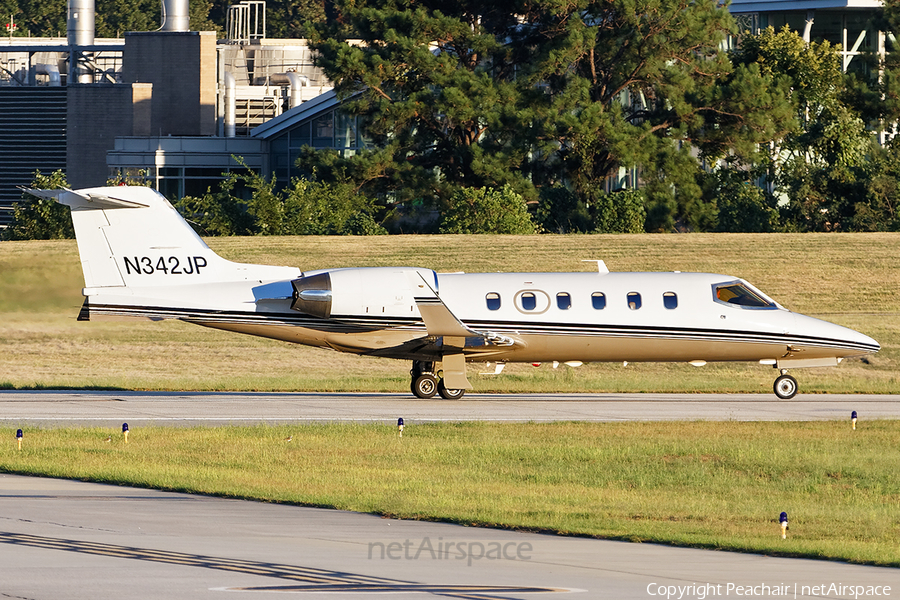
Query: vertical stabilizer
{"points": [[131, 236]]}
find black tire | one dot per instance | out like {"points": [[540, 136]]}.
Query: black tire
{"points": [[424, 386], [786, 387], [448, 394]]}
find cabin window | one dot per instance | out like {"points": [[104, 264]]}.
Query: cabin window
{"points": [[493, 301], [563, 301], [529, 301], [598, 300], [670, 300], [634, 300], [740, 295]]}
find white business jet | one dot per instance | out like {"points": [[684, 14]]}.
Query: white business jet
{"points": [[141, 259]]}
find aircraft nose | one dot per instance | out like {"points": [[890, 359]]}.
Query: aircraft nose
{"points": [[848, 342]]}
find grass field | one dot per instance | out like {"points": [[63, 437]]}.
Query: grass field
{"points": [[708, 485], [712, 485], [850, 279]]}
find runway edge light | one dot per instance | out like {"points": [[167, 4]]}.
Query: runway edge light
{"points": [[784, 524], [125, 431], [400, 426], [853, 419], [19, 436]]}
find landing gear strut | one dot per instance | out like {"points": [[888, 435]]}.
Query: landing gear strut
{"points": [[425, 384], [785, 386]]}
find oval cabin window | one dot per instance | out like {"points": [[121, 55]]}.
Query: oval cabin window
{"points": [[670, 300], [493, 301], [634, 300], [529, 301]]}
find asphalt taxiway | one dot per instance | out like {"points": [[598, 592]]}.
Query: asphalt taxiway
{"points": [[55, 408], [73, 540]]}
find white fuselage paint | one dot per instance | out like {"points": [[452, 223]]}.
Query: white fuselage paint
{"points": [[374, 311], [141, 259]]}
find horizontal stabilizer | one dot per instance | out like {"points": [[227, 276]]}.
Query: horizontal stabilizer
{"points": [[85, 200]]}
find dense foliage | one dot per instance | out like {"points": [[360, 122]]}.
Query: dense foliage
{"points": [[560, 105], [303, 208], [566, 102], [39, 218], [544, 96], [485, 210]]}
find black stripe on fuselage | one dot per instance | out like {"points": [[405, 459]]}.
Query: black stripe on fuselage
{"points": [[367, 323], [546, 328]]}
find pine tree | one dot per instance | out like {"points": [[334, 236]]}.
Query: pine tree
{"points": [[435, 84]]}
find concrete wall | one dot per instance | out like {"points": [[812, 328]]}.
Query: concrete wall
{"points": [[182, 68], [96, 115]]}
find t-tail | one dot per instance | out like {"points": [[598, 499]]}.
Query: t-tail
{"points": [[139, 255]]}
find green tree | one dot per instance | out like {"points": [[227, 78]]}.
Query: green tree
{"points": [[741, 206], [560, 210], [435, 83], [290, 19], [818, 165], [39, 218], [218, 212], [40, 18], [620, 212], [44, 18], [316, 208], [487, 210], [10, 8], [305, 207], [872, 86], [878, 208], [542, 94], [640, 83]]}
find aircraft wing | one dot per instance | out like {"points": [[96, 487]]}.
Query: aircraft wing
{"points": [[440, 320]]}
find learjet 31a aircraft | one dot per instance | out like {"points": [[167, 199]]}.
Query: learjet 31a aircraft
{"points": [[141, 259]]}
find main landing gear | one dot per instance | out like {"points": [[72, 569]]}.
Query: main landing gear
{"points": [[425, 384], [785, 386]]}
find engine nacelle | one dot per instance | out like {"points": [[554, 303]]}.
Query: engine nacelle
{"points": [[312, 295], [367, 292]]}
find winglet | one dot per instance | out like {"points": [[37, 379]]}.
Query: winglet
{"points": [[439, 320]]}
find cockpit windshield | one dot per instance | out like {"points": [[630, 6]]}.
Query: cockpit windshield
{"points": [[739, 294]]}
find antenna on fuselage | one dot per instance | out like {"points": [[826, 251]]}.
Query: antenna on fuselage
{"points": [[601, 266]]}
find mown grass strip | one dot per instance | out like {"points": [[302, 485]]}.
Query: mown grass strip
{"points": [[850, 279], [701, 484]]}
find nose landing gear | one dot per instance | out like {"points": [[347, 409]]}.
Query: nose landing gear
{"points": [[425, 384], [785, 386]]}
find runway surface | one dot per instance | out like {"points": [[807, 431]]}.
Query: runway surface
{"points": [[72, 540], [62, 408]]}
